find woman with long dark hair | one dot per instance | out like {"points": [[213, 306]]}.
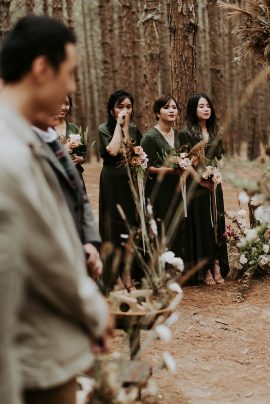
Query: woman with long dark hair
{"points": [[114, 181], [205, 219]]}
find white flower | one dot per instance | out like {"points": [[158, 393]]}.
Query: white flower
{"points": [[243, 259], [175, 287], [176, 300], [167, 256], [144, 163], [124, 235], [257, 199], [149, 209], [178, 263], [127, 395], [251, 235], [243, 197], [153, 226], [217, 179], [262, 214], [264, 260], [266, 248], [163, 332], [152, 387], [183, 155], [75, 137], [169, 362], [184, 163], [172, 319], [205, 175], [170, 258]]}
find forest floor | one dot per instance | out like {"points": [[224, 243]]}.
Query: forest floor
{"points": [[221, 347]]}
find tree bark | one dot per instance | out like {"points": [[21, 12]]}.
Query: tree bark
{"points": [[165, 66], [182, 17], [57, 9], [79, 111], [108, 75], [45, 8], [151, 63], [216, 56], [4, 17], [30, 5]]}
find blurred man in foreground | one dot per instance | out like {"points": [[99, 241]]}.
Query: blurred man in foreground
{"points": [[47, 300]]}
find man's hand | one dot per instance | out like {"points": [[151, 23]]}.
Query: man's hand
{"points": [[93, 261]]}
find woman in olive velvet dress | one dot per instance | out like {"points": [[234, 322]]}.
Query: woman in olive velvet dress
{"points": [[165, 195], [201, 241], [114, 182], [64, 129]]}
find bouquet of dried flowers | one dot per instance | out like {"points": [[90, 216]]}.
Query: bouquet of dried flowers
{"points": [[135, 159], [133, 156], [76, 143], [212, 173], [178, 160]]}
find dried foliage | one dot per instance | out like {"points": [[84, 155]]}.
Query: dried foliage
{"points": [[253, 28]]}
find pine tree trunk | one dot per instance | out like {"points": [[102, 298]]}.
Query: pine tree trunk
{"points": [[79, 112], [108, 75], [4, 17], [183, 27], [30, 5], [45, 7], [216, 56], [89, 93], [126, 50], [151, 64], [203, 52], [57, 9], [165, 66]]}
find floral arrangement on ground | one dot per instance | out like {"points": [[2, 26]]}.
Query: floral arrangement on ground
{"points": [[249, 248]]}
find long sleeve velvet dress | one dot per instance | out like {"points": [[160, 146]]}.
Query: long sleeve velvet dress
{"points": [[166, 195], [200, 241], [115, 190]]}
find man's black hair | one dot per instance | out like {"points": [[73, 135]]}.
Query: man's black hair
{"points": [[31, 37]]}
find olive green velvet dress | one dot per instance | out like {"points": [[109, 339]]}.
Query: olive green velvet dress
{"points": [[200, 241], [166, 195], [115, 190]]}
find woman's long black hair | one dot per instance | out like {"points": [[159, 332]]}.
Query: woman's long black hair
{"points": [[115, 99], [192, 118]]}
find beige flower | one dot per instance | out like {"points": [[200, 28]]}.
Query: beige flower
{"points": [[135, 161], [138, 150], [72, 144]]}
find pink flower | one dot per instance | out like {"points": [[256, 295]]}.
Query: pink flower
{"points": [[138, 150]]}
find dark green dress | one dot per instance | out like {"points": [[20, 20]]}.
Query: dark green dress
{"points": [[200, 240], [165, 196], [115, 189]]}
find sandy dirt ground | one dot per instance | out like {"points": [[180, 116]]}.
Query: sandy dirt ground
{"points": [[221, 347]]}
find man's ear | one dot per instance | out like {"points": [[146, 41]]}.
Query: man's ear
{"points": [[41, 69]]}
